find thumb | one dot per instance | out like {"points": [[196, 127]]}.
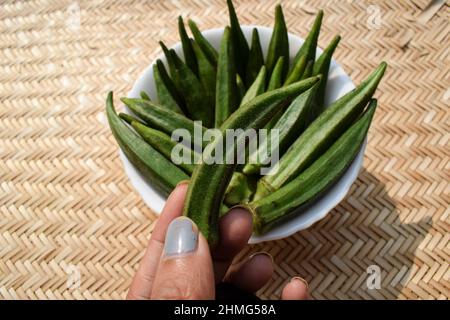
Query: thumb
{"points": [[185, 269]]}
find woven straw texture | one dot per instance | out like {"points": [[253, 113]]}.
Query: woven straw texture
{"points": [[72, 227]]}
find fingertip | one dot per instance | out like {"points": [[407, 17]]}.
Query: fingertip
{"points": [[296, 289], [185, 270], [236, 227], [245, 276]]}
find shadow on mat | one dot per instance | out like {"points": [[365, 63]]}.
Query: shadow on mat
{"points": [[361, 250]]}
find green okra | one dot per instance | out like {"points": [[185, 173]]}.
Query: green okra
{"points": [[226, 86], [288, 201], [206, 47], [308, 49], [164, 144], [239, 189], [255, 59], [279, 44], [161, 118], [297, 71], [149, 162], [188, 51], [129, 118], [206, 74], [308, 70], [322, 66], [270, 124], [290, 125], [144, 96], [240, 88], [240, 44], [169, 54], [168, 94], [210, 179], [320, 134], [197, 104], [257, 87], [276, 77]]}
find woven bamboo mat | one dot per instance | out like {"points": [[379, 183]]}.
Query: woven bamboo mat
{"points": [[71, 226]]}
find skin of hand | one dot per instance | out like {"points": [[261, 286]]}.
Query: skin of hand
{"points": [[178, 264]]}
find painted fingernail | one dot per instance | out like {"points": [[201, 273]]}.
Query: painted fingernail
{"points": [[183, 182], [181, 237], [261, 253], [302, 280]]}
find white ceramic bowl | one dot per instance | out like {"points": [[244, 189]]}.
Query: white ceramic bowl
{"points": [[338, 84]]}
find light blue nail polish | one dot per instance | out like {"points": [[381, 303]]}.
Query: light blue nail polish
{"points": [[181, 237]]}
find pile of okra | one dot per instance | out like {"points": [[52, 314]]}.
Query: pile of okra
{"points": [[236, 87]]}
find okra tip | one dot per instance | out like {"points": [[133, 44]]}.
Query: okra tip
{"points": [[319, 15], [109, 97], [126, 117], [336, 40], [192, 25], [379, 71], [125, 100]]}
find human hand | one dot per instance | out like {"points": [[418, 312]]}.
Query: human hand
{"points": [[178, 263]]}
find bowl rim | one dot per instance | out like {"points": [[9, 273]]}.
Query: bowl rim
{"points": [[323, 206]]}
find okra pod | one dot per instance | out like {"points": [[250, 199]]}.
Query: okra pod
{"points": [[168, 94], [240, 88], [308, 49], [188, 51], [206, 47], [297, 71], [240, 44], [210, 179], [256, 88], [320, 134], [226, 86], [149, 162], [322, 66], [308, 70], [206, 74], [161, 118], [284, 203], [290, 125], [239, 189], [144, 96], [279, 44], [164, 144], [276, 77], [255, 59], [197, 104], [129, 118]]}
